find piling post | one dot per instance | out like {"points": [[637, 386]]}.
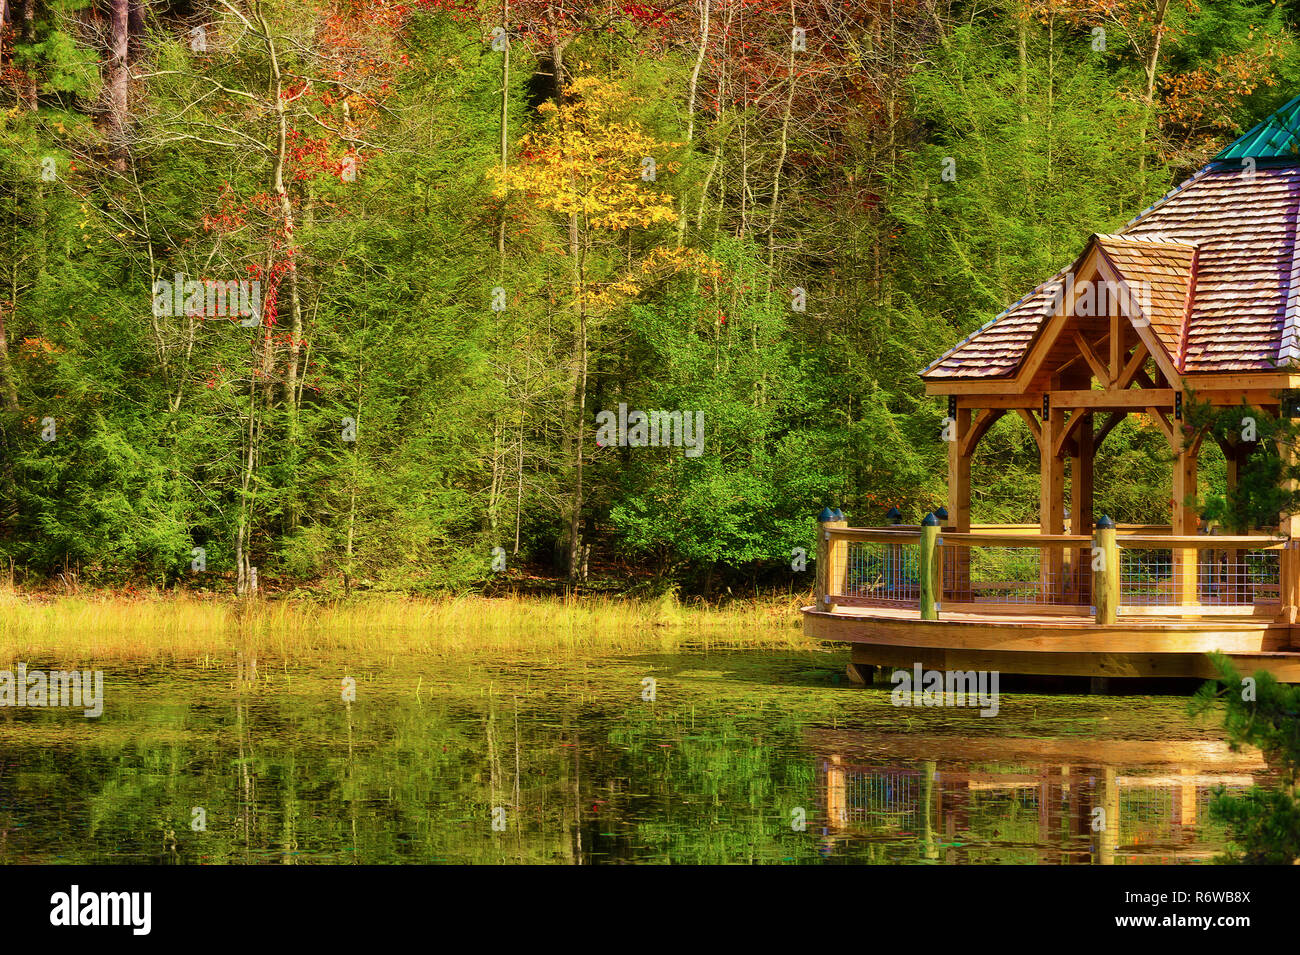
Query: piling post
{"points": [[1105, 562], [928, 567]]}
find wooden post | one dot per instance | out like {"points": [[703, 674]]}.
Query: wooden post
{"points": [[1081, 506], [1234, 452], [928, 567], [830, 558], [1105, 578], [958, 558], [1051, 509], [1185, 559], [1289, 527]]}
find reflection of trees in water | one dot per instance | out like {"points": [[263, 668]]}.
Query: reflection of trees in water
{"points": [[288, 772]]}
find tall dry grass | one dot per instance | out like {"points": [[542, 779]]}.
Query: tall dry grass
{"points": [[192, 627]]}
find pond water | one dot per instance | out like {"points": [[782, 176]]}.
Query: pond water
{"points": [[728, 757]]}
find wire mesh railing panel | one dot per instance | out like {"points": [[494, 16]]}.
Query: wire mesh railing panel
{"points": [[885, 574], [1235, 577], [1224, 577], [1146, 576], [1017, 575]]}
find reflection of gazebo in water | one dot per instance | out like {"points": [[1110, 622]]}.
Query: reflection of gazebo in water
{"points": [[1196, 298], [964, 799]]}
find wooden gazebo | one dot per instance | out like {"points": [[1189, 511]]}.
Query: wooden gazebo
{"points": [[1196, 299]]}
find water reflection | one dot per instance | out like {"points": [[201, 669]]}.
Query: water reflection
{"points": [[971, 800], [736, 747]]}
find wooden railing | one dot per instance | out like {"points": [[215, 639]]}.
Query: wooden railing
{"points": [[1126, 570], [1204, 574]]}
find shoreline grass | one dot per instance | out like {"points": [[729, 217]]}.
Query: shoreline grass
{"points": [[185, 626]]}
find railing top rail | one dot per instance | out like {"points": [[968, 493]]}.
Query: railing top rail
{"points": [[977, 528], [1205, 541], [903, 533], [876, 535], [1013, 540], [1029, 527]]}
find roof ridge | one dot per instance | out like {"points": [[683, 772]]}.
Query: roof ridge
{"points": [[1180, 359], [1158, 238], [1288, 345]]}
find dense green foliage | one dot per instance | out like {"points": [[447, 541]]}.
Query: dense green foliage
{"points": [[347, 157]]}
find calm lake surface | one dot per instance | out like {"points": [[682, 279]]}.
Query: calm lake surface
{"points": [[571, 765]]}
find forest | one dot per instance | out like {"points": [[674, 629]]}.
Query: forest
{"points": [[443, 295]]}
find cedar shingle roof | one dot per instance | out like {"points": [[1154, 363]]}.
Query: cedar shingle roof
{"points": [[1227, 232], [1159, 273]]}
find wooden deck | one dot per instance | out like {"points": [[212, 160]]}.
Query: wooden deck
{"points": [[1058, 644], [1123, 602]]}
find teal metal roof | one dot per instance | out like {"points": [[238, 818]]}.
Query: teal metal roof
{"points": [[1277, 137]]}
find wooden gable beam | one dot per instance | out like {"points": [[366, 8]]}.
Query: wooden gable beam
{"points": [[1140, 324], [1116, 342], [1134, 365], [1098, 367]]}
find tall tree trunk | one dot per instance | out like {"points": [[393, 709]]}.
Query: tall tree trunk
{"points": [[117, 82], [519, 487], [28, 91], [276, 91], [505, 126], [135, 28], [1152, 70], [244, 528], [572, 441], [690, 111], [578, 402], [780, 162], [352, 494], [291, 392], [8, 387]]}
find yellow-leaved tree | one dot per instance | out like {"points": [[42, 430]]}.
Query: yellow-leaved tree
{"points": [[597, 168]]}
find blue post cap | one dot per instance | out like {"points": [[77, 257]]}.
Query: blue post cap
{"points": [[941, 512], [825, 515], [1105, 521], [894, 514], [839, 515], [930, 520]]}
